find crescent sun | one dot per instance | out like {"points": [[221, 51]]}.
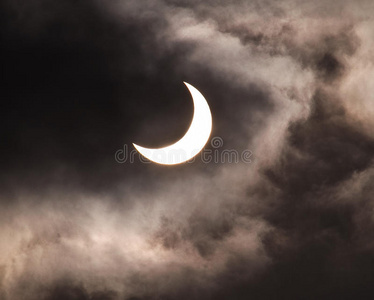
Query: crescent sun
{"points": [[192, 142]]}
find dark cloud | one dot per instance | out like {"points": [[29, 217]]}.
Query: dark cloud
{"points": [[290, 81]]}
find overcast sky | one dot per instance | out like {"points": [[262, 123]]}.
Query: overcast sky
{"points": [[291, 81]]}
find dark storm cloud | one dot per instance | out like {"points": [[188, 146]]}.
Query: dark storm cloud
{"points": [[289, 80], [74, 81]]}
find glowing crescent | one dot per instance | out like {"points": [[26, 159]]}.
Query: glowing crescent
{"points": [[192, 142]]}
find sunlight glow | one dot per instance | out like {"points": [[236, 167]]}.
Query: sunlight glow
{"points": [[192, 142]]}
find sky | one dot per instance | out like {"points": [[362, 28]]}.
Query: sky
{"points": [[290, 82]]}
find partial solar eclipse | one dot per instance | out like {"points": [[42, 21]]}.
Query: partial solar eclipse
{"points": [[192, 142]]}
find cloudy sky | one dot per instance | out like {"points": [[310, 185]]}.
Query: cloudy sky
{"points": [[292, 81]]}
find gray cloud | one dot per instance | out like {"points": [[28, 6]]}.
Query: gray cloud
{"points": [[290, 81]]}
